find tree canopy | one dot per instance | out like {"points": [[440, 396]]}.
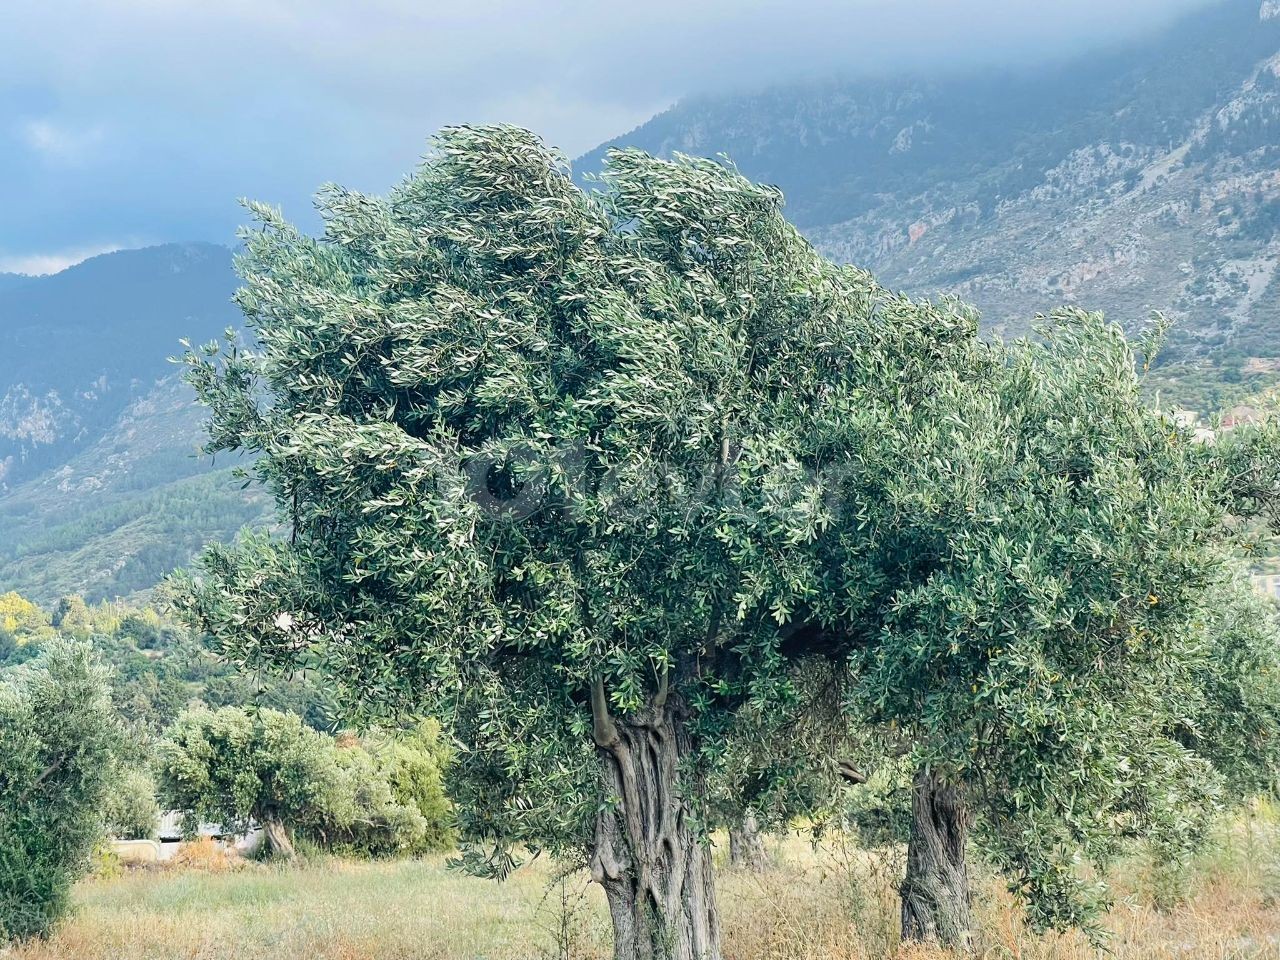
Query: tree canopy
{"points": [[1054, 551], [232, 766], [604, 468]]}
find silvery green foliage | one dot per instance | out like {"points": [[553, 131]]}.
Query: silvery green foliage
{"points": [[235, 767], [58, 734], [232, 766], [527, 435], [130, 810], [524, 436], [1233, 716], [1052, 552]]}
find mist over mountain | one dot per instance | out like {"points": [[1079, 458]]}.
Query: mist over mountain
{"points": [[1139, 177]]}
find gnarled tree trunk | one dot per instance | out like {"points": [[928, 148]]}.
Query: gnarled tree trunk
{"points": [[746, 844], [935, 893], [277, 836], [656, 873]]}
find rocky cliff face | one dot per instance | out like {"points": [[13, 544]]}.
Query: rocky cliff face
{"points": [[1132, 180], [77, 348]]}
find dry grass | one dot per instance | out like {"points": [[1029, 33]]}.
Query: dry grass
{"points": [[835, 903]]}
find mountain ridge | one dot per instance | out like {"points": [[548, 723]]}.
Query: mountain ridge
{"points": [[1135, 178], [1154, 182], [102, 487], [74, 338]]}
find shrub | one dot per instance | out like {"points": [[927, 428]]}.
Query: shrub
{"points": [[392, 800], [130, 811], [234, 766], [414, 764], [366, 818], [58, 733]]}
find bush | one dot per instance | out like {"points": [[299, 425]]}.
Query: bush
{"points": [[393, 801], [366, 819], [58, 734], [414, 764], [385, 798], [131, 811]]}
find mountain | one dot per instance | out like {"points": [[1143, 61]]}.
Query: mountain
{"points": [[1139, 177], [81, 345], [101, 488]]}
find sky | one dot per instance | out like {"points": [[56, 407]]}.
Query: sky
{"points": [[130, 122]]}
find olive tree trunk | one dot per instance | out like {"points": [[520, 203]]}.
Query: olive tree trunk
{"points": [[277, 836], [656, 872], [746, 844], [935, 893]]}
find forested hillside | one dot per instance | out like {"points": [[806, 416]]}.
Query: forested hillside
{"points": [[101, 488]]}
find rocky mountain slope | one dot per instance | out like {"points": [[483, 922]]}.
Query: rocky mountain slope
{"points": [[77, 348], [101, 488], [1136, 178]]}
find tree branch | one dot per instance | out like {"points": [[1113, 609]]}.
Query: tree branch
{"points": [[849, 772], [664, 687], [44, 775], [603, 729]]}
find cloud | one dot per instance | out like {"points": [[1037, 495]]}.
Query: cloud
{"points": [[62, 142], [40, 264], [148, 117]]}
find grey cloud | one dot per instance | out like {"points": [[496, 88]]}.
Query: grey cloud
{"points": [[146, 118]]}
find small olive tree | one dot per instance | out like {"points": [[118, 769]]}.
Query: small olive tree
{"points": [[380, 797], [233, 766], [58, 734], [1050, 550]]}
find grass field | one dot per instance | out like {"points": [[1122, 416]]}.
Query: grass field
{"points": [[833, 902]]}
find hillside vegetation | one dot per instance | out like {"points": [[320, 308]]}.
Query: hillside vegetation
{"points": [[102, 490]]}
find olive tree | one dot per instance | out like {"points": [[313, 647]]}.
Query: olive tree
{"points": [[129, 810], [1232, 715], [234, 766], [1050, 549], [598, 477], [58, 738], [534, 448]]}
